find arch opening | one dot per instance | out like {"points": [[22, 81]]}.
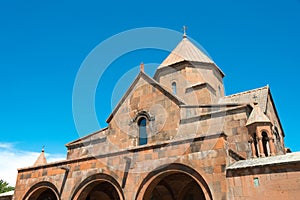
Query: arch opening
{"points": [[103, 190], [43, 194], [176, 185], [98, 186], [256, 149], [265, 142], [41, 191]]}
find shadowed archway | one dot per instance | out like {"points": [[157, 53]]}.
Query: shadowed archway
{"points": [[174, 186], [174, 182], [98, 186], [42, 191]]}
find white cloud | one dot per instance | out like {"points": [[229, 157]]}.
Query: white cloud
{"points": [[12, 158], [6, 145]]}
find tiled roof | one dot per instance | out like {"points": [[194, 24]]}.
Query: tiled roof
{"points": [[185, 51], [272, 160], [259, 95]]}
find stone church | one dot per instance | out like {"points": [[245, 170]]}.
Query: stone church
{"points": [[175, 136]]}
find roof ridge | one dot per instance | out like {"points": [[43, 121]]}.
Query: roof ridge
{"points": [[163, 87], [248, 91], [150, 81]]}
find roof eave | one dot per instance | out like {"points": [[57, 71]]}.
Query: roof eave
{"points": [[160, 68], [84, 137]]}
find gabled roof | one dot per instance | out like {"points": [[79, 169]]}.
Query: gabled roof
{"points": [[151, 81], [187, 51], [259, 95], [41, 160], [257, 116]]}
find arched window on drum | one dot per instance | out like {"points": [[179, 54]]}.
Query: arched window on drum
{"points": [[143, 137]]}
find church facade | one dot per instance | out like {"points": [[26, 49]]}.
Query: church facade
{"points": [[175, 136]]}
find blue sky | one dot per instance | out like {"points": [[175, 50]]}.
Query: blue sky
{"points": [[43, 44]]}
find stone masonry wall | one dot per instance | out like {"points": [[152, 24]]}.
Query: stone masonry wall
{"points": [[163, 112], [192, 74], [206, 156], [266, 182]]}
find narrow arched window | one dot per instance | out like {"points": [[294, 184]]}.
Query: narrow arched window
{"points": [[265, 142], [142, 123], [174, 88], [255, 145]]}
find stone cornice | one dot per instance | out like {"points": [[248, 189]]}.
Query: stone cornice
{"points": [[126, 151]]}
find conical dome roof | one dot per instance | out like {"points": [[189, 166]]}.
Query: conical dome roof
{"points": [[41, 160], [185, 51], [257, 116]]}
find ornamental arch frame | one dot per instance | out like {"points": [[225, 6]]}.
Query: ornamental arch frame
{"points": [[41, 187], [170, 169], [94, 179]]}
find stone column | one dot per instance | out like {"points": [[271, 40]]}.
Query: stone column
{"points": [[253, 149], [272, 146], [261, 147]]}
